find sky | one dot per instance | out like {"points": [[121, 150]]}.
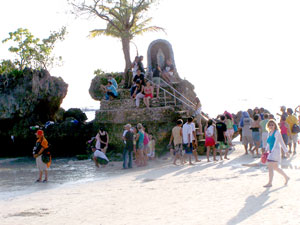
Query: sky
{"points": [[238, 54]]}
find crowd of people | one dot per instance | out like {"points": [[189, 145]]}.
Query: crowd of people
{"points": [[260, 134], [141, 87]]}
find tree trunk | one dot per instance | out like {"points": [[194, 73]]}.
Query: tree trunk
{"points": [[126, 51]]}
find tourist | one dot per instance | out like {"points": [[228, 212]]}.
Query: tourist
{"points": [[127, 152], [230, 130], [168, 73], [110, 91], [261, 113], [285, 131], [255, 128], [134, 131], [156, 79], [210, 139], [148, 90], [264, 131], [187, 135], [146, 142], [134, 67], [256, 111], [113, 81], [102, 140], [140, 65], [293, 138], [283, 112], [221, 137], [176, 137], [275, 141], [140, 146], [99, 157], [194, 141], [198, 110], [139, 93], [139, 78], [151, 147], [245, 124], [40, 153]]}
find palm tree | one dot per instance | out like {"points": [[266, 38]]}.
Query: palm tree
{"points": [[125, 20]]}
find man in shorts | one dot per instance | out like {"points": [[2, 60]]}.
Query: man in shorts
{"points": [[187, 133], [176, 137], [221, 137], [293, 137], [156, 79]]}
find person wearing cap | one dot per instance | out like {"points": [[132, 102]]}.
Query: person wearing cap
{"points": [[38, 151], [128, 149]]}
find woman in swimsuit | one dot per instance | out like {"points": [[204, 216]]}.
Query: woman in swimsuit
{"points": [[148, 90]]}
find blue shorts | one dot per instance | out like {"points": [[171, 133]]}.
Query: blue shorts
{"points": [[256, 136], [188, 148]]}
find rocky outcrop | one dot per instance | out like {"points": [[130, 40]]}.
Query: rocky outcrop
{"points": [[28, 92], [27, 98]]}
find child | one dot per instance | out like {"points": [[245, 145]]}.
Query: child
{"points": [[210, 139], [99, 158], [151, 147]]}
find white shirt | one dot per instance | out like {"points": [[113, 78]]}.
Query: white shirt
{"points": [[100, 154], [193, 129], [186, 131], [210, 131], [276, 151], [124, 133]]}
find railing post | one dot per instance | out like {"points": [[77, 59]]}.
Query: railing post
{"points": [[165, 98], [174, 97]]}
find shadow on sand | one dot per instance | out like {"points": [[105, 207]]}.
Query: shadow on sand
{"points": [[252, 206]]}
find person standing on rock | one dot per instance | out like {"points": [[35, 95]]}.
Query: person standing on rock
{"points": [[156, 79], [102, 140], [39, 152], [140, 65], [274, 145], [198, 109]]}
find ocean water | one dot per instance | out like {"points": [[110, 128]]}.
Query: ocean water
{"points": [[18, 175]]}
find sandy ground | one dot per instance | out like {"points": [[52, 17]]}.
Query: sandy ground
{"points": [[218, 193]]}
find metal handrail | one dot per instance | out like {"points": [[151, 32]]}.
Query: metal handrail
{"points": [[177, 92], [171, 94]]}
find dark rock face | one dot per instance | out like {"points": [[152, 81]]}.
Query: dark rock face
{"points": [[27, 98], [31, 92]]}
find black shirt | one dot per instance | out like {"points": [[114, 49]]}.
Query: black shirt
{"points": [[156, 73], [140, 77], [141, 67], [129, 140], [221, 128]]}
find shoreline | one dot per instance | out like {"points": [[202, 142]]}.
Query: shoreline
{"points": [[223, 192]]}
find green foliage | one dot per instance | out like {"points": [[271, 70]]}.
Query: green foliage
{"points": [[75, 113], [7, 66], [33, 52]]}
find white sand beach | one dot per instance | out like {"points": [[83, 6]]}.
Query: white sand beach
{"points": [[218, 193]]}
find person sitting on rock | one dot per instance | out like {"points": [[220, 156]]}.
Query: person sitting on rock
{"points": [[113, 81], [138, 77], [148, 94], [110, 91], [139, 93], [168, 73]]}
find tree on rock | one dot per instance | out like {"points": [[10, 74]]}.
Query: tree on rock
{"points": [[125, 19], [33, 52]]}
